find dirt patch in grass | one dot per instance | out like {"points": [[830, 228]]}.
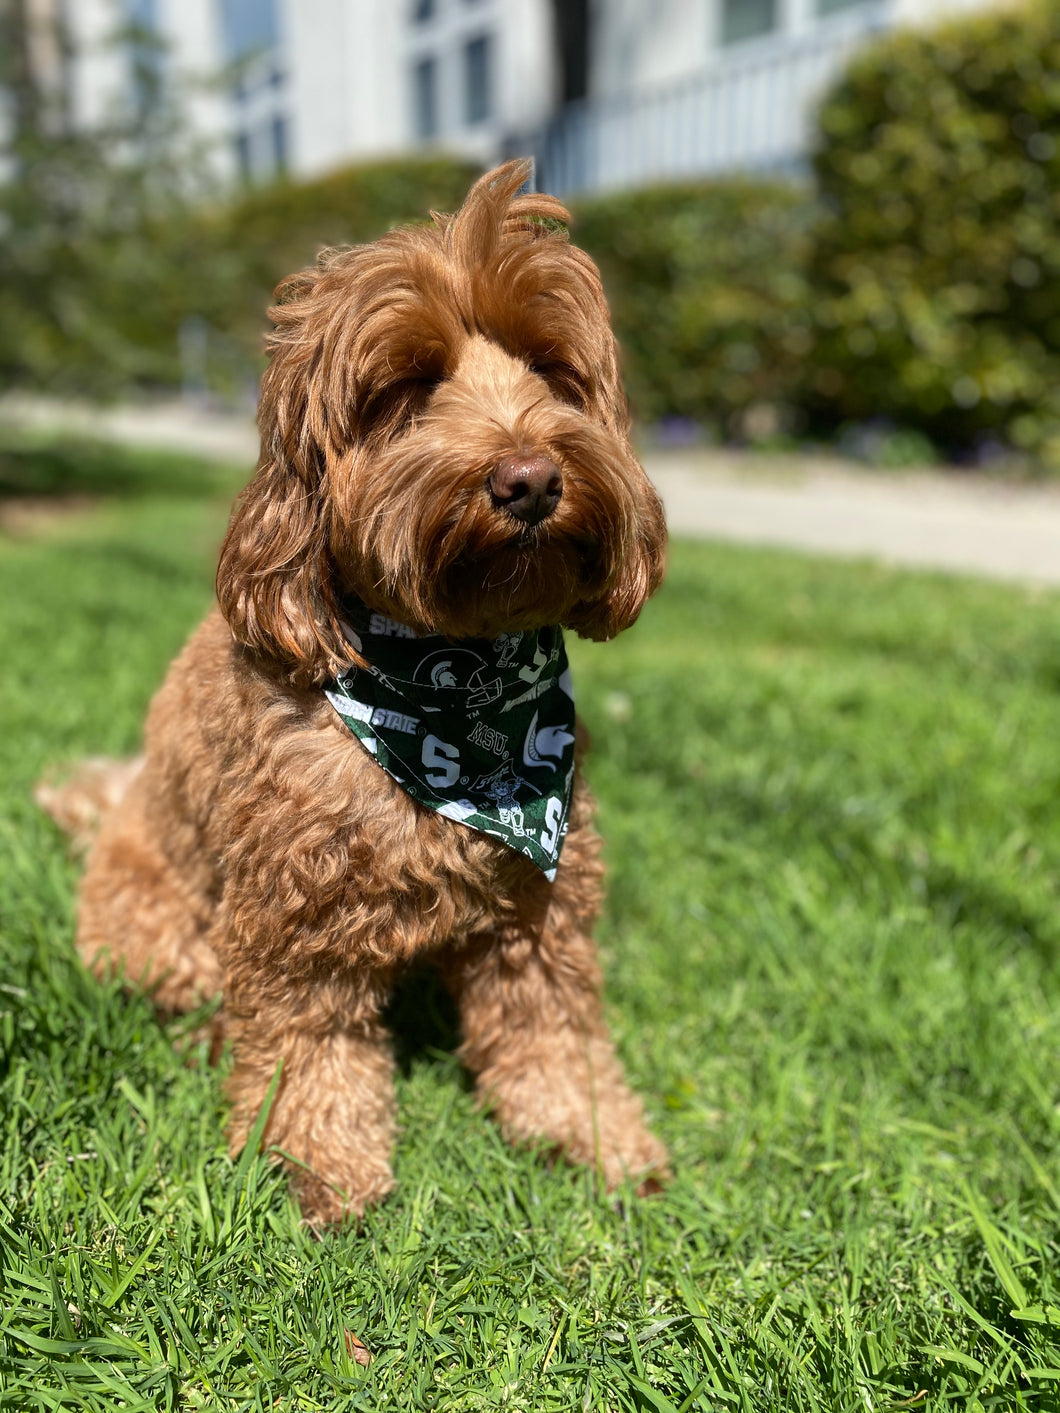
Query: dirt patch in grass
{"points": [[28, 517]]}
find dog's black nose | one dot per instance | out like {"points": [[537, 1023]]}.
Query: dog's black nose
{"points": [[527, 487]]}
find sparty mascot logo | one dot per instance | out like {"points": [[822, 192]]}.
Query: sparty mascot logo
{"points": [[463, 671]]}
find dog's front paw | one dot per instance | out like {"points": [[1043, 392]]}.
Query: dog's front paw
{"points": [[636, 1156], [576, 1100], [324, 1204]]}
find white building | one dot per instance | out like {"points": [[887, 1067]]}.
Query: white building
{"points": [[380, 76], [607, 93], [691, 88]]}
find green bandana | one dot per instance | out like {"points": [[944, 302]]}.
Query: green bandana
{"points": [[482, 732]]}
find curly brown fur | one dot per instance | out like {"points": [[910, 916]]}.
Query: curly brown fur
{"points": [[260, 852]]}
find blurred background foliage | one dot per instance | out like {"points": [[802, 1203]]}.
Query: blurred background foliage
{"points": [[709, 292], [935, 255], [85, 282], [914, 280]]}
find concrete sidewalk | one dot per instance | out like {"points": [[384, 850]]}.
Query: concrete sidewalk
{"points": [[951, 521], [176, 425]]}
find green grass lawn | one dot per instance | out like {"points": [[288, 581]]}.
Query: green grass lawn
{"points": [[832, 947]]}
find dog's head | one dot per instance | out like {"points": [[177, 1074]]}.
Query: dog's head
{"points": [[444, 434]]}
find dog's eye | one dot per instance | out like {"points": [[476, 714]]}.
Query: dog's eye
{"points": [[566, 382], [417, 386], [391, 408], [418, 392]]}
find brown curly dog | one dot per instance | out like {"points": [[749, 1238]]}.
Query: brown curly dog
{"points": [[444, 445]]}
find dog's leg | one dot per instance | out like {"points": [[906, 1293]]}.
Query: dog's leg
{"points": [[80, 799], [141, 914], [333, 1112], [535, 1036]]}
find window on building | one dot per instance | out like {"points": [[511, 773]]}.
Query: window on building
{"points": [[477, 54], [242, 146], [248, 27], [744, 19], [142, 15], [279, 143], [250, 43], [570, 26], [425, 98], [829, 7]]}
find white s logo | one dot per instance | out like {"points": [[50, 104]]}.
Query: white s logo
{"points": [[553, 816], [441, 758]]}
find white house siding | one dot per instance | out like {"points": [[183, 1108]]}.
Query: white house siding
{"points": [[194, 47], [343, 72], [324, 68], [646, 42], [528, 79], [521, 72], [642, 43], [350, 76], [100, 73], [670, 98]]}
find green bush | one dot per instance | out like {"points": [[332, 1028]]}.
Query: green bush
{"points": [[93, 256], [936, 254], [708, 293]]}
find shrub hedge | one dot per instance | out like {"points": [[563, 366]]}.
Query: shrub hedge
{"points": [[708, 291], [936, 254]]}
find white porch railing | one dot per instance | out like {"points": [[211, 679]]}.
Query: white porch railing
{"points": [[751, 110]]}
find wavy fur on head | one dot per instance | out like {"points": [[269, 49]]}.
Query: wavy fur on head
{"points": [[401, 373], [258, 851]]}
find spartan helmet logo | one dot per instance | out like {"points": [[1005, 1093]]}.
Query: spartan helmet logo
{"points": [[459, 670]]}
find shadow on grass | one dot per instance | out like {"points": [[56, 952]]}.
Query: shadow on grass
{"points": [[60, 468], [422, 1018]]}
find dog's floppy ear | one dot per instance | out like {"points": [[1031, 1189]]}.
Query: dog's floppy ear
{"points": [[642, 566], [275, 578]]}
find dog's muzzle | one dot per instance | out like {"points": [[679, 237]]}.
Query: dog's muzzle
{"points": [[528, 488]]}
